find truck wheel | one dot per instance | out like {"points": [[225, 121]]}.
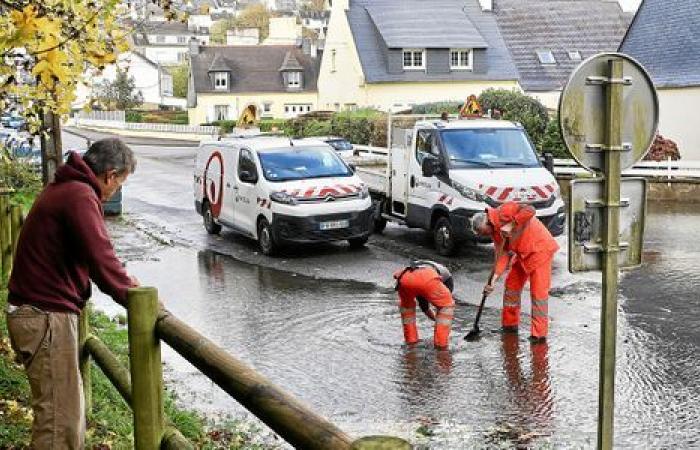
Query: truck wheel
{"points": [[211, 226], [378, 225], [444, 237], [265, 239], [358, 242]]}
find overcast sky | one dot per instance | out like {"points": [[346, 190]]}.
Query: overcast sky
{"points": [[629, 5]]}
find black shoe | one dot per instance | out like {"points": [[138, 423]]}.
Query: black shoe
{"points": [[538, 339]]}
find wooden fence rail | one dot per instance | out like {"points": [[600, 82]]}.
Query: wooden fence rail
{"points": [[141, 385]]}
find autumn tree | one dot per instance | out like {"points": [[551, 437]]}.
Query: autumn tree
{"points": [[255, 16], [46, 47], [120, 94], [314, 5]]}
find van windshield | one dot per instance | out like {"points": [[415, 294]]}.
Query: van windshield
{"points": [[299, 163], [489, 147]]}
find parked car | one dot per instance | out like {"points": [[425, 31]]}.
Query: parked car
{"points": [[113, 206], [16, 122], [279, 191], [339, 144]]}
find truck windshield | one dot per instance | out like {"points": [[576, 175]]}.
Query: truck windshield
{"points": [[298, 163], [489, 147]]}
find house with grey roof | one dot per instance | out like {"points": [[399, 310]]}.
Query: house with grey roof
{"points": [[665, 38], [263, 81], [167, 42], [548, 39], [391, 54]]}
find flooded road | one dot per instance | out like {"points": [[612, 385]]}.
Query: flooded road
{"points": [[323, 324]]}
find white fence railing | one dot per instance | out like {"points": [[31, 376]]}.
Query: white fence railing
{"points": [[649, 169], [653, 169], [117, 120]]}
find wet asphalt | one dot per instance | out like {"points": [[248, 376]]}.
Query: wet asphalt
{"points": [[322, 322]]}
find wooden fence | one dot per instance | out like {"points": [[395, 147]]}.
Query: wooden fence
{"points": [[141, 384]]}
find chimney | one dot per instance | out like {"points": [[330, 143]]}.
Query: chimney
{"points": [[486, 5], [194, 46]]}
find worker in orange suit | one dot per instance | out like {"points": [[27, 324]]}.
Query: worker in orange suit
{"points": [[523, 244], [426, 283]]}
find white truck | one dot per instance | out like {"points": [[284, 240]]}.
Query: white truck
{"points": [[440, 173], [278, 191]]}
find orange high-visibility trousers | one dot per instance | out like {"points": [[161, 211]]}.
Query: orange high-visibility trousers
{"points": [[425, 283], [540, 281]]}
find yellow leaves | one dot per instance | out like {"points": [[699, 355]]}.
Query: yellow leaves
{"points": [[51, 67], [11, 409]]}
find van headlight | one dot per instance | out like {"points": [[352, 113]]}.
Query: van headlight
{"points": [[466, 192], [283, 197], [364, 191]]}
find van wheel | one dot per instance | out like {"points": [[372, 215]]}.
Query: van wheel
{"points": [[444, 237], [378, 225], [265, 239], [211, 226], [358, 242]]}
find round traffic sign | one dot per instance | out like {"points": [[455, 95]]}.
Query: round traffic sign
{"points": [[583, 110]]}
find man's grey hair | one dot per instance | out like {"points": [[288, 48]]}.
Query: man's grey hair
{"points": [[479, 220], [110, 154]]}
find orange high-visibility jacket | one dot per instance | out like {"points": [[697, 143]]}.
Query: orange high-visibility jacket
{"points": [[529, 235]]}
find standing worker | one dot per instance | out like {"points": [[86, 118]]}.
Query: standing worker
{"points": [[62, 246], [427, 283], [524, 244]]}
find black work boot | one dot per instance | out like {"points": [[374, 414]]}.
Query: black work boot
{"points": [[507, 330], [537, 339]]}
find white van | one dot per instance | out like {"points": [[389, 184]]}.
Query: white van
{"points": [[280, 191]]}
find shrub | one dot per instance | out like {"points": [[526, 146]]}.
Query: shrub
{"points": [[521, 108], [437, 108], [134, 116], [553, 142], [662, 149], [268, 125]]}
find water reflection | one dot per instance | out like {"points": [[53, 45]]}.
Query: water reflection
{"points": [[530, 393], [337, 345]]}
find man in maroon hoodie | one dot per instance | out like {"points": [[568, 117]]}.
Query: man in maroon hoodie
{"points": [[62, 246]]}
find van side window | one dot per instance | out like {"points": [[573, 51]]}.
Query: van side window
{"points": [[425, 145], [246, 163]]}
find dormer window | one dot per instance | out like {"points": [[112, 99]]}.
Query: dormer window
{"points": [[294, 80], [220, 81], [546, 57], [461, 59], [413, 59]]}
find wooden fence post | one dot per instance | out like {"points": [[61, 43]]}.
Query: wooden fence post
{"points": [[84, 357], [5, 235], [16, 220], [146, 368]]}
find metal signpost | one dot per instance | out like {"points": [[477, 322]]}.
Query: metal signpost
{"points": [[608, 115]]}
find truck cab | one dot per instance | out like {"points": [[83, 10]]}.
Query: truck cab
{"points": [[279, 191], [439, 174]]}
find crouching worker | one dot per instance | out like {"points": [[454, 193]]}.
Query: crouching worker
{"points": [[524, 244], [427, 283]]}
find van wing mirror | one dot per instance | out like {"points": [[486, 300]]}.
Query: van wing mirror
{"points": [[430, 166], [248, 177]]}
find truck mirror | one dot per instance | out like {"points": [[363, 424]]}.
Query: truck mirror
{"points": [[548, 162], [430, 166]]}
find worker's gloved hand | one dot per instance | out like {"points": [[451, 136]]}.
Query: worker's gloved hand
{"points": [[488, 289]]}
